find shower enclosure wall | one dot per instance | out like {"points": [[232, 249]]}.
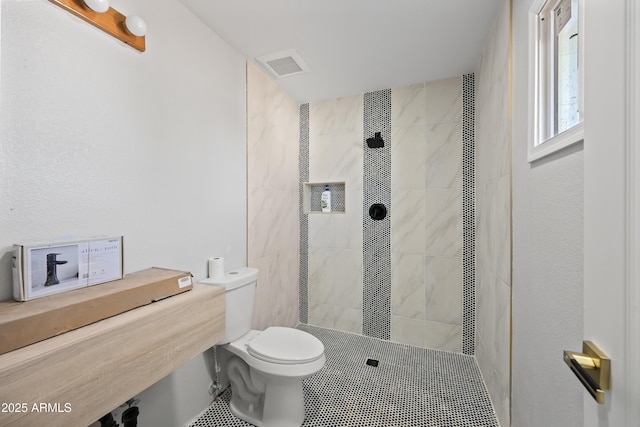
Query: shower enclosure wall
{"points": [[314, 262], [409, 277]]}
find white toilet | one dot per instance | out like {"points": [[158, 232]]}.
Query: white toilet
{"points": [[266, 368]]}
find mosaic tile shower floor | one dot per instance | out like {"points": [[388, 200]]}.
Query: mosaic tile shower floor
{"points": [[411, 386]]}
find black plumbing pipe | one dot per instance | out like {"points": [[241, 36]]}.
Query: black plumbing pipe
{"points": [[130, 417], [108, 421]]}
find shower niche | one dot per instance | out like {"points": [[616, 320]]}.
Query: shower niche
{"points": [[312, 194]]}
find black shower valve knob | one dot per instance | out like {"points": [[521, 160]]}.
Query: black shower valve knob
{"points": [[378, 212]]}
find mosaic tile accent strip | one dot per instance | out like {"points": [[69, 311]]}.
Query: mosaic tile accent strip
{"points": [[410, 387], [376, 292], [303, 284], [468, 215]]}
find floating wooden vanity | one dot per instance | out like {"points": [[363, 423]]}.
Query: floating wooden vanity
{"points": [[75, 378]]}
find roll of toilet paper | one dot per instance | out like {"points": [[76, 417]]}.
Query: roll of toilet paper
{"points": [[216, 267]]}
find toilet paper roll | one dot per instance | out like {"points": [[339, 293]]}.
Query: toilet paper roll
{"points": [[216, 267]]}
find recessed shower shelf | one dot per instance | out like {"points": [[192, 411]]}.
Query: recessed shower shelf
{"points": [[312, 191]]}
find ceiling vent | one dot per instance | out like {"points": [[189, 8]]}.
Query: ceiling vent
{"points": [[284, 64]]}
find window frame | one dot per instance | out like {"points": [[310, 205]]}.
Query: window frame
{"points": [[540, 87]]}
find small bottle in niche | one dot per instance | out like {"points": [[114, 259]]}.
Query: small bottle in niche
{"points": [[325, 199]]}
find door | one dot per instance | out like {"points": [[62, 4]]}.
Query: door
{"points": [[612, 203]]}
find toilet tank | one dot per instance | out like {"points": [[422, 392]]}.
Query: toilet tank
{"points": [[240, 292]]}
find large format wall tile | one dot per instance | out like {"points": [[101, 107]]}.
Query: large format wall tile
{"points": [[334, 281], [443, 290], [443, 219], [408, 285], [408, 106], [444, 100], [269, 235], [337, 230], [276, 294], [408, 223], [409, 157], [443, 336], [493, 221], [272, 200], [426, 147], [427, 154], [334, 317], [408, 330], [335, 139], [443, 151]]}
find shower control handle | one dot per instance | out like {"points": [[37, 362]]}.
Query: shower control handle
{"points": [[378, 212]]}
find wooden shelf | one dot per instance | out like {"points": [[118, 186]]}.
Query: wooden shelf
{"points": [[94, 369]]}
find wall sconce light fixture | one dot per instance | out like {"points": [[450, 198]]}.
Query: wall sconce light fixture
{"points": [[99, 6], [135, 25], [131, 30]]}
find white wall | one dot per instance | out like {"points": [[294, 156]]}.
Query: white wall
{"points": [[97, 138], [547, 264]]}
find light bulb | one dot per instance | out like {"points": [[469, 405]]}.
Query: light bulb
{"points": [[136, 25], [99, 6]]}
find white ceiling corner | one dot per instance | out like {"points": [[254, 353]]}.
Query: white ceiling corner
{"points": [[356, 46]]}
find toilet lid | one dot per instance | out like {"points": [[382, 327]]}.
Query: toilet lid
{"points": [[285, 346]]}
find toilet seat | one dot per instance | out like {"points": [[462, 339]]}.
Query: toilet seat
{"points": [[285, 346]]}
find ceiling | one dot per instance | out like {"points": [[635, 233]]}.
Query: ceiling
{"points": [[355, 46]]}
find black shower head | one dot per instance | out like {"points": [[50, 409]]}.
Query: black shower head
{"points": [[376, 141]]}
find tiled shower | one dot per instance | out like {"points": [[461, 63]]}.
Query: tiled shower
{"points": [[400, 278], [443, 280]]}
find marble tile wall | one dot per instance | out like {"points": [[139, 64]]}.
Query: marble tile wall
{"points": [[272, 200], [335, 240], [426, 306], [493, 217], [426, 244]]}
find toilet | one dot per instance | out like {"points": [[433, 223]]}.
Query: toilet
{"points": [[265, 368]]}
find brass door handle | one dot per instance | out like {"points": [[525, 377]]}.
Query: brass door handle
{"points": [[592, 367]]}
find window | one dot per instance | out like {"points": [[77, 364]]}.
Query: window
{"points": [[556, 46]]}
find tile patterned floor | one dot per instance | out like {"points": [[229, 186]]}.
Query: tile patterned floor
{"points": [[411, 386]]}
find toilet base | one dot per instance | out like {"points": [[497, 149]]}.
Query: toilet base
{"points": [[279, 396], [281, 404], [247, 414]]}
